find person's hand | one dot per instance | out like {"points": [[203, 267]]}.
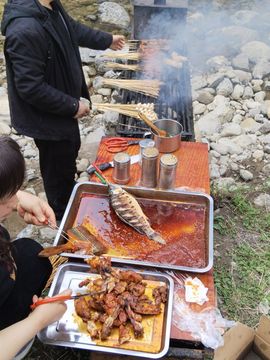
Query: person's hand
{"points": [[118, 42], [48, 313], [83, 110], [34, 210]]}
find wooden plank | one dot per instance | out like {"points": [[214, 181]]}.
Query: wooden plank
{"points": [[192, 175], [192, 171]]}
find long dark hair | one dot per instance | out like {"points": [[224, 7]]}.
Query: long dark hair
{"points": [[12, 171]]}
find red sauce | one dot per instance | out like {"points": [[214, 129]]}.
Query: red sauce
{"points": [[180, 225]]}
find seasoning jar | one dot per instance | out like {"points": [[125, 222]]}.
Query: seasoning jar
{"points": [[149, 167], [167, 171], [145, 143], [121, 168]]}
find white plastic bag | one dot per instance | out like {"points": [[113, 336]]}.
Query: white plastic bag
{"points": [[206, 326]]}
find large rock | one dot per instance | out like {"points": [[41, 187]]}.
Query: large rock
{"points": [[256, 50], [236, 36], [261, 69], [211, 122], [111, 13], [4, 129], [225, 88], [4, 109], [263, 201], [241, 62]]}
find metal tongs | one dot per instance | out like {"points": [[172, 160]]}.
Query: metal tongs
{"points": [[63, 298]]}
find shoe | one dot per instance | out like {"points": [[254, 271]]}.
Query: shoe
{"points": [[24, 351]]}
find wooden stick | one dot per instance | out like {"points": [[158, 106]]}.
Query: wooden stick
{"points": [[117, 66], [151, 125], [147, 87]]}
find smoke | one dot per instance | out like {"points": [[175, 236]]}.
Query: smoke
{"points": [[212, 29]]}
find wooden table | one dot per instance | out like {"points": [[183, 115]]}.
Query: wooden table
{"points": [[192, 175]]}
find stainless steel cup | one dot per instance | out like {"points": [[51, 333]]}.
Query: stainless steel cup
{"points": [[171, 142], [121, 169], [149, 167], [167, 171]]}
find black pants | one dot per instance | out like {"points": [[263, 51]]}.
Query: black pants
{"points": [[57, 161], [31, 277]]}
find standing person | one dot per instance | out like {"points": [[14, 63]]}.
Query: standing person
{"points": [[45, 83], [22, 272]]}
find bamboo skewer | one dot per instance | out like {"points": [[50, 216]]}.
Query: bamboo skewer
{"points": [[151, 125], [117, 66], [131, 110], [136, 56], [147, 87]]}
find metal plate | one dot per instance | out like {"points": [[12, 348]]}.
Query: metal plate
{"points": [[186, 199], [66, 332]]}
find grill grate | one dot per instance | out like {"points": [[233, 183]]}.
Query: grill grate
{"points": [[174, 102]]}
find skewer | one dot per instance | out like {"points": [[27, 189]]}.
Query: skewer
{"points": [[65, 236], [132, 126], [147, 87]]}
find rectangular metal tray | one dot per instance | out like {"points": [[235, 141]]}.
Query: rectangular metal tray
{"points": [[174, 196], [66, 333]]}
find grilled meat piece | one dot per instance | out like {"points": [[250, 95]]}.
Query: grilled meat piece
{"points": [[84, 283], [130, 276], [137, 326], [82, 309], [120, 287], [136, 289], [128, 210], [92, 329], [160, 294], [124, 335], [108, 324], [146, 309], [101, 264]]}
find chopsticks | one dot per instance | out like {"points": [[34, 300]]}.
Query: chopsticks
{"points": [[63, 298]]}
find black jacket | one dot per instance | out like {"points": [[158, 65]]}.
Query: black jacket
{"points": [[43, 93]]}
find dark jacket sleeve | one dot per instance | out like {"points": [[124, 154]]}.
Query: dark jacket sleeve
{"points": [[90, 38], [28, 54]]}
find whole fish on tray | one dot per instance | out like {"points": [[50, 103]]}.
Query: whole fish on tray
{"points": [[128, 210]]}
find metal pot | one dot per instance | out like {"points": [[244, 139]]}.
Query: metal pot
{"points": [[172, 142]]}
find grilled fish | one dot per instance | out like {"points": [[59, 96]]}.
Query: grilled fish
{"points": [[128, 210]]}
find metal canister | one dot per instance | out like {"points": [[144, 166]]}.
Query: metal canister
{"points": [[149, 167], [167, 171], [121, 169], [145, 143]]}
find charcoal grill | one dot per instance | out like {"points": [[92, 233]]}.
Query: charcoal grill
{"points": [[175, 100]]}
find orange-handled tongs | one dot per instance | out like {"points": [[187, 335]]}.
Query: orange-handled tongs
{"points": [[62, 298]]}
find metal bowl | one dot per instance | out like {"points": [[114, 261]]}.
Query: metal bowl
{"points": [[172, 142]]}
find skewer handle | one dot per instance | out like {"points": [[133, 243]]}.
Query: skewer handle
{"points": [[151, 125]]}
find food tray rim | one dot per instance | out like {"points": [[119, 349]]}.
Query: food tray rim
{"points": [[119, 260], [168, 316]]}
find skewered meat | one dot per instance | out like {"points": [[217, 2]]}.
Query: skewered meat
{"points": [[128, 210]]}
